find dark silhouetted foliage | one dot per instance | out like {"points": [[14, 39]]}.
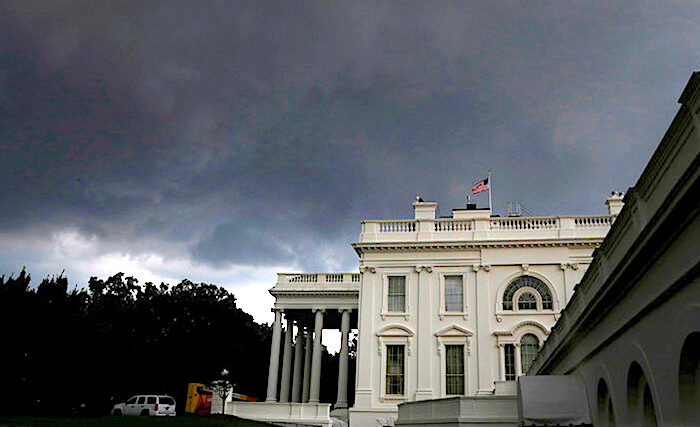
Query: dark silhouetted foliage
{"points": [[80, 351]]}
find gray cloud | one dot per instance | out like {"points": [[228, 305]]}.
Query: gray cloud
{"points": [[261, 133]]}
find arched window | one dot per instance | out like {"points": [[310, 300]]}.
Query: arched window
{"points": [[605, 411], [527, 301], [640, 402], [532, 284], [689, 379], [529, 346]]}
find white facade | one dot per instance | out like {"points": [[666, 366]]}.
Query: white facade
{"points": [[487, 255], [429, 297]]}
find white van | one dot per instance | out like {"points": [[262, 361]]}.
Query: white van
{"points": [[146, 405]]}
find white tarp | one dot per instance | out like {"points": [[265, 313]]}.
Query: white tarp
{"points": [[553, 400]]}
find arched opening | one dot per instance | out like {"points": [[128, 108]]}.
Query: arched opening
{"points": [[534, 286], [649, 411], [689, 379], [606, 417], [640, 402], [529, 346]]}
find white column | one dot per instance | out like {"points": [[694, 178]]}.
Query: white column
{"points": [[501, 362], [314, 394], [274, 358], [342, 400], [367, 362], [298, 365], [286, 363], [307, 365], [518, 362], [425, 345], [484, 343]]}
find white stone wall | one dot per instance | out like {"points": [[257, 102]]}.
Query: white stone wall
{"points": [[486, 273]]}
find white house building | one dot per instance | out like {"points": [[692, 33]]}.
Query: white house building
{"points": [[442, 307], [450, 306]]}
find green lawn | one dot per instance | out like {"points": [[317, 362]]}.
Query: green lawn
{"points": [[129, 421]]}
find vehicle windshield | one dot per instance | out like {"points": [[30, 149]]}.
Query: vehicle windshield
{"points": [[131, 401], [165, 400]]}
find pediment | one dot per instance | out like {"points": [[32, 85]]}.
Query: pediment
{"points": [[453, 331], [395, 331]]}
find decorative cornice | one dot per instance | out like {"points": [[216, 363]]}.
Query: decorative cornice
{"points": [[437, 246], [313, 293]]}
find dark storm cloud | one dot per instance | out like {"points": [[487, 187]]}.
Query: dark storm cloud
{"points": [[261, 133]]}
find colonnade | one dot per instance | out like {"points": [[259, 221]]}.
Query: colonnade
{"points": [[301, 381]]}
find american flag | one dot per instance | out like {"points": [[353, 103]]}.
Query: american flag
{"points": [[480, 186]]}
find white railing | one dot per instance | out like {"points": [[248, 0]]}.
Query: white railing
{"points": [[453, 225], [334, 278], [397, 226], [303, 278], [524, 223], [484, 228], [318, 278], [593, 221]]}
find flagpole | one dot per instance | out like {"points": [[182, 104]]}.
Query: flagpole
{"points": [[490, 185]]}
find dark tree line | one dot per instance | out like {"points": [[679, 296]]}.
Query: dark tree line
{"points": [[79, 351]]}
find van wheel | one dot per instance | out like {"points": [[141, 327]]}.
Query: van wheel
{"points": [[145, 413], [117, 412]]}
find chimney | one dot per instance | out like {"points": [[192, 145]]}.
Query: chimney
{"points": [[615, 203], [424, 210]]}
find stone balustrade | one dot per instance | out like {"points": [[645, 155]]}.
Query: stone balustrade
{"points": [[555, 227], [318, 278]]}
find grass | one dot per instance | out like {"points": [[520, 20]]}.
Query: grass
{"points": [[214, 420]]}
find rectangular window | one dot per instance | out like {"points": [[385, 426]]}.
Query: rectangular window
{"points": [[510, 362], [165, 400], [454, 369], [394, 369], [454, 293], [397, 294]]}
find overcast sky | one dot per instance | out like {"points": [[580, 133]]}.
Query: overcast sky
{"points": [[226, 141]]}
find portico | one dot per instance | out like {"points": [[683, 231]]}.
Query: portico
{"points": [[310, 303]]}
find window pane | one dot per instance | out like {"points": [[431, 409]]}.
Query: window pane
{"points": [[529, 346], [454, 369], [527, 301], [397, 294], [394, 369], [510, 362], [151, 400], [454, 293]]}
